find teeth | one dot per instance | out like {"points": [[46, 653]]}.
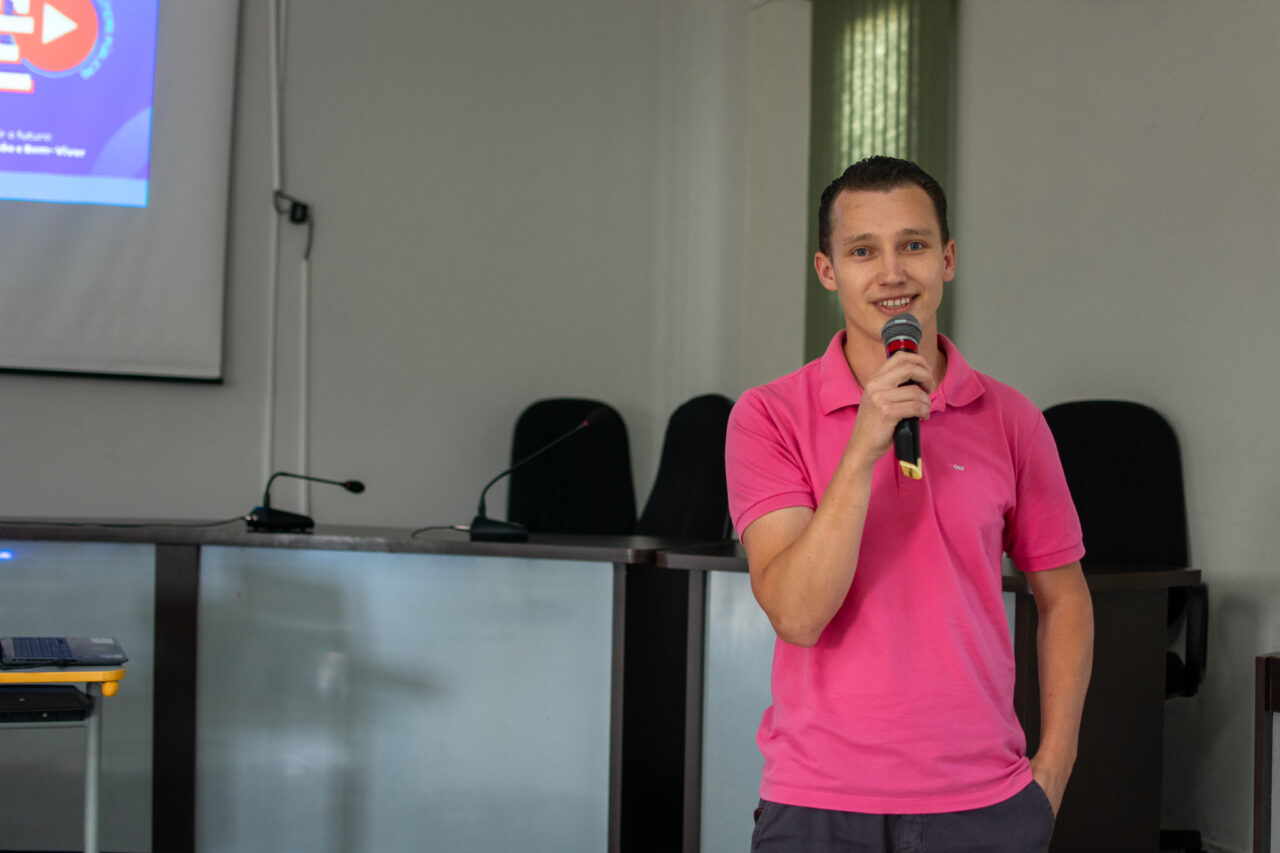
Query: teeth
{"points": [[900, 302]]}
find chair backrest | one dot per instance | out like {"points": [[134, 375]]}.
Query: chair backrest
{"points": [[582, 485], [689, 496], [1124, 469]]}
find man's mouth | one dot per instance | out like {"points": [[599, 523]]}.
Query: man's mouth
{"points": [[896, 302]]}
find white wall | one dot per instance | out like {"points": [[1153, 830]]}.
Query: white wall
{"points": [[512, 200], [778, 185], [1118, 218]]}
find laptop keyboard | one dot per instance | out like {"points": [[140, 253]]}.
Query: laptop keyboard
{"points": [[53, 648]]}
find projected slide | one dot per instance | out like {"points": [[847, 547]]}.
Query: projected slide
{"points": [[77, 79]]}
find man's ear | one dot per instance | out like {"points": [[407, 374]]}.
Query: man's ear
{"points": [[826, 273], [949, 261]]}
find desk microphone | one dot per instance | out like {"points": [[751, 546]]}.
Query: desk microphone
{"points": [[267, 519], [485, 529], [902, 334]]}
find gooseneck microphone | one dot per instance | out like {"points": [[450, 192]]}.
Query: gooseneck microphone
{"points": [[267, 519], [485, 529], [902, 334]]}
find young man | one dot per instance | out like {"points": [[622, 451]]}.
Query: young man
{"points": [[892, 725]]}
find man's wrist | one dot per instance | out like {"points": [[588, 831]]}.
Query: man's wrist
{"points": [[1058, 761]]}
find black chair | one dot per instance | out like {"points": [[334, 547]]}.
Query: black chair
{"points": [[689, 496], [1124, 469], [583, 484]]}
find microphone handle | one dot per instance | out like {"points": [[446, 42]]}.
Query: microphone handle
{"points": [[902, 334], [906, 447]]}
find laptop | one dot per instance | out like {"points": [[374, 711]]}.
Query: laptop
{"points": [[60, 651]]}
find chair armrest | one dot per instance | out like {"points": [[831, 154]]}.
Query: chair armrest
{"points": [[1197, 632]]}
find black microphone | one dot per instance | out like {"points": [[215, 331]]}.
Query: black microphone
{"points": [[485, 529], [267, 519], [903, 333]]}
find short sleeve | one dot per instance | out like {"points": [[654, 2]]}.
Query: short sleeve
{"points": [[1043, 530], [763, 466]]}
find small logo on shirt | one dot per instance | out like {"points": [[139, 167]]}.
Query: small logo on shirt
{"points": [[958, 467]]}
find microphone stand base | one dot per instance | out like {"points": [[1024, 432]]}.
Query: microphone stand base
{"points": [[490, 530], [265, 519]]}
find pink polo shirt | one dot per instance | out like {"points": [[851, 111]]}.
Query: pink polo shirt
{"points": [[905, 705]]}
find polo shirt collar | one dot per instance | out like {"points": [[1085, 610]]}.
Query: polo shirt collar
{"points": [[839, 388]]}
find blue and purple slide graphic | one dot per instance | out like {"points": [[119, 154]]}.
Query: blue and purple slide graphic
{"points": [[77, 83]]}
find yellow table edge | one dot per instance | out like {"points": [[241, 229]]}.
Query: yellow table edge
{"points": [[109, 677]]}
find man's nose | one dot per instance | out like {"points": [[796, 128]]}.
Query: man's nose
{"points": [[891, 270]]}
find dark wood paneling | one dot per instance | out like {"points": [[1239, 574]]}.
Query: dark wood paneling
{"points": [[173, 746], [694, 681], [653, 716], [1266, 703], [1112, 803]]}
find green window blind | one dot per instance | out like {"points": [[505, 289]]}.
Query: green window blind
{"points": [[881, 84]]}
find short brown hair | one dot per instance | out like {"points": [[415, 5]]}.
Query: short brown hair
{"points": [[880, 173]]}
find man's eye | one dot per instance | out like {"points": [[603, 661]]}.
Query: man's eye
{"points": [[860, 252], [915, 246]]}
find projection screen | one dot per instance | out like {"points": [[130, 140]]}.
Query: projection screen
{"points": [[115, 145]]}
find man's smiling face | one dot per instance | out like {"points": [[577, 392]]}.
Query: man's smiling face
{"points": [[887, 257]]}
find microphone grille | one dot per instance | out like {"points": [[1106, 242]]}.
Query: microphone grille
{"points": [[902, 326]]}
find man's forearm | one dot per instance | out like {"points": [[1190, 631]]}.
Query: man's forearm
{"points": [[803, 585], [1065, 654], [1066, 657]]}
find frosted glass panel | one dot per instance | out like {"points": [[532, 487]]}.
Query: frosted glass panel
{"points": [[739, 654], [373, 702], [80, 589]]}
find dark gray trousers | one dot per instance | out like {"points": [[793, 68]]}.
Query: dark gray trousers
{"points": [[1021, 824]]}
